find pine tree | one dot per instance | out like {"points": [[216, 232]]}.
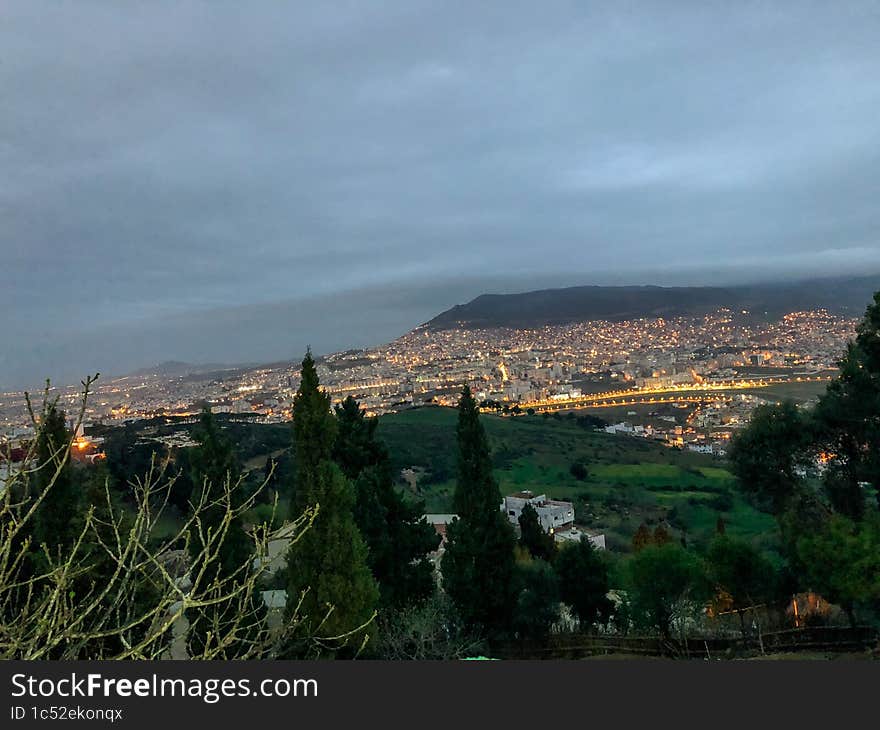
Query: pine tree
{"points": [[397, 537], [533, 537], [328, 580], [847, 419], [478, 564]]}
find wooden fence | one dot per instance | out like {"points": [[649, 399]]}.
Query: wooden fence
{"points": [[827, 639]]}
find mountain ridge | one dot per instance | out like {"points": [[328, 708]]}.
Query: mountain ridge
{"points": [[841, 295]]}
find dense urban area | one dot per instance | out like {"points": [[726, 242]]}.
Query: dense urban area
{"points": [[699, 377]]}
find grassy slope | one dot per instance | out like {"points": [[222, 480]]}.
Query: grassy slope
{"points": [[630, 480]]}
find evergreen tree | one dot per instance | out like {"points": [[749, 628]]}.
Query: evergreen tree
{"points": [[356, 447], [848, 419], [583, 578], [537, 600], [214, 468], [397, 537], [478, 564], [314, 433], [56, 521], [327, 568], [533, 537]]}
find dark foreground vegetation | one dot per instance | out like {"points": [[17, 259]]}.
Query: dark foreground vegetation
{"points": [[320, 551]]}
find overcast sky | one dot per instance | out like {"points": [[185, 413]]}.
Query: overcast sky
{"points": [[228, 182]]}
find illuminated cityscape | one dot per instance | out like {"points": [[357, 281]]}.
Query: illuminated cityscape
{"points": [[685, 381]]}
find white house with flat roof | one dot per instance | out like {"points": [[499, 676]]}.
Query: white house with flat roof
{"points": [[555, 516]]}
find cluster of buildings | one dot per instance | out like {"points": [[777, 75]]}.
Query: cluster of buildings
{"points": [[564, 366], [555, 516]]}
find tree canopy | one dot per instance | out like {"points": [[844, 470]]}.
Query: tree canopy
{"points": [[478, 563]]}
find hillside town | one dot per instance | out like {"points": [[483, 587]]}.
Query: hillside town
{"points": [[688, 382]]}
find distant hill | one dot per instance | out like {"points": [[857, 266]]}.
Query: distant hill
{"points": [[175, 368], [845, 296]]}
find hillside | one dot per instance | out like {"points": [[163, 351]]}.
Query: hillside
{"points": [[628, 480], [846, 296]]}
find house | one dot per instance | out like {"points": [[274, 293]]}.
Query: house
{"points": [[554, 515], [439, 522]]}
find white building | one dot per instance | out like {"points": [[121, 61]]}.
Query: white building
{"points": [[553, 514]]}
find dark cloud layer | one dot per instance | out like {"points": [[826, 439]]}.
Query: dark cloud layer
{"points": [[229, 181]]}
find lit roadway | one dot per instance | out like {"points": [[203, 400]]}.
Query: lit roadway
{"points": [[667, 394]]}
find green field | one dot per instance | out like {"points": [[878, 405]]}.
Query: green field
{"points": [[629, 480]]}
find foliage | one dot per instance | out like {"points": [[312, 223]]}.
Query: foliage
{"points": [[215, 472], [642, 538], [533, 537], [666, 584], [767, 455], [847, 418], [537, 600], [429, 630], [397, 537], [584, 584], [478, 563], [55, 524], [741, 573], [116, 592], [314, 432], [328, 578], [841, 561]]}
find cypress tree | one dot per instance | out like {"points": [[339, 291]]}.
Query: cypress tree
{"points": [[214, 466], [55, 521], [314, 432], [478, 564], [397, 537], [533, 537], [327, 567]]}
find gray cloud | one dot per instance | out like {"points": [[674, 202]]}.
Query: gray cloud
{"points": [[229, 181]]}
